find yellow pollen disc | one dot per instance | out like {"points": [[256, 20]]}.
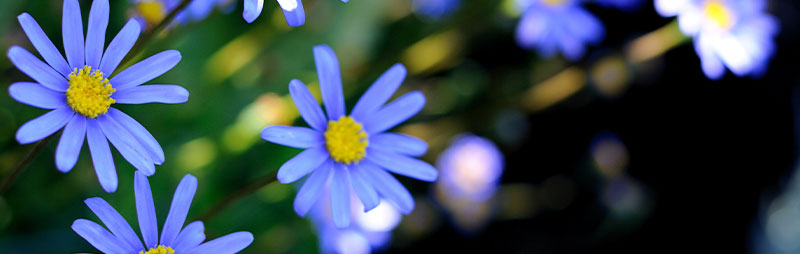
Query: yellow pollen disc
{"points": [[346, 140], [553, 3], [152, 11], [718, 13], [89, 93], [161, 249]]}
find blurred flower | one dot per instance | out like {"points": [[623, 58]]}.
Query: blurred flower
{"points": [[120, 237], [435, 9], [737, 34], [292, 10], [151, 12], [80, 94], [550, 26], [352, 148], [370, 231], [625, 5], [471, 169]]}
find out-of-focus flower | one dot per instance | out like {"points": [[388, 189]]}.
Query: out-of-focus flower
{"points": [[370, 231], [120, 237], [292, 11], [737, 34], [552, 26], [80, 93], [625, 5], [435, 9], [151, 12], [471, 168], [352, 150]]}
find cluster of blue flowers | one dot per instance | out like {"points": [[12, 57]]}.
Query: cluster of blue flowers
{"points": [[343, 151]]}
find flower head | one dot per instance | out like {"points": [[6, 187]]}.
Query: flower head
{"points": [[552, 26], [175, 238], [292, 10], [352, 149], [80, 92], [625, 5], [737, 34]]}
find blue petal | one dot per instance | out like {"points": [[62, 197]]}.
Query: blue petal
{"points": [[307, 106], [363, 188], [295, 17], [69, 147], [340, 196], [252, 9], [179, 209], [37, 95], [191, 236], [139, 133], [146, 210], [170, 94], [297, 137], [101, 156], [96, 33], [388, 187], [146, 70], [398, 143], [99, 237], [72, 31], [379, 92], [230, 243], [127, 145], [311, 189], [120, 46], [403, 165], [302, 164], [43, 126], [43, 44], [36, 69], [395, 113], [114, 222], [330, 81]]}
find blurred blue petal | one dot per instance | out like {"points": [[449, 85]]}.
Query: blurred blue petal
{"points": [[403, 165], [307, 106], [330, 81], [302, 164], [395, 112], [380, 92], [340, 196], [363, 188], [399, 143], [311, 189], [389, 187]]}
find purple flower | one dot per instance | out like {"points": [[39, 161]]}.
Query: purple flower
{"points": [[80, 94], [552, 26], [175, 238], [352, 150]]}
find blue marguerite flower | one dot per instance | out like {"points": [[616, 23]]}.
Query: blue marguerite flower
{"points": [[625, 5], [550, 26], [352, 149], [80, 94], [151, 12], [435, 9], [737, 34], [292, 11], [175, 238]]}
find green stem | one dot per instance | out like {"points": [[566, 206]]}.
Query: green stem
{"points": [[238, 194], [37, 148], [155, 30]]}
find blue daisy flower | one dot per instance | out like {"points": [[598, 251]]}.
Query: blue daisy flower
{"points": [[435, 9], [625, 5], [292, 10], [151, 12], [737, 34], [370, 231], [352, 149], [550, 26], [80, 94], [175, 238]]}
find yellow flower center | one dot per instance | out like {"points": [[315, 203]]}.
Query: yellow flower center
{"points": [[554, 3], [161, 249], [89, 93], [346, 140], [152, 11], [719, 14]]}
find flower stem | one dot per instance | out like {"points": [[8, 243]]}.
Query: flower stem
{"points": [[37, 148], [238, 194], [148, 35]]}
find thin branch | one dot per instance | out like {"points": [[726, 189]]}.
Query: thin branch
{"points": [[238, 194], [37, 148], [155, 30]]}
